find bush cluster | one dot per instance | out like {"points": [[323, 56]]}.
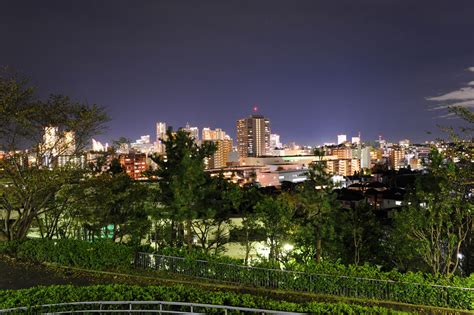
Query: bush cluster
{"points": [[351, 281], [178, 293], [197, 254], [97, 255], [322, 278]]}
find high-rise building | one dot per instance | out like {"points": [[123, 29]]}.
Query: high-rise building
{"points": [[343, 167], [193, 132], [253, 136], [341, 139], [208, 134], [397, 158], [404, 143], [50, 140], [57, 146], [332, 166], [97, 146], [365, 157], [275, 141], [355, 166], [67, 144], [415, 164], [220, 158], [343, 152], [144, 139], [143, 144], [376, 155], [160, 137], [213, 134], [382, 142]]}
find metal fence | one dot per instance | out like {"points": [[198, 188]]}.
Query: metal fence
{"points": [[138, 307], [405, 292]]}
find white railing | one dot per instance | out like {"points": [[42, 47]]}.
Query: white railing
{"points": [[132, 307]]}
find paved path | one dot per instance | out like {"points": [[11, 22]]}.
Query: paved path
{"points": [[15, 275]]}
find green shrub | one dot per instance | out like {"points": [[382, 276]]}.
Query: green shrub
{"points": [[9, 247], [323, 278], [196, 253], [98, 255], [352, 281], [178, 293]]}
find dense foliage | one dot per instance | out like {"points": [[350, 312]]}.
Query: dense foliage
{"points": [[322, 278], [50, 129], [65, 294], [181, 173], [98, 255], [330, 279]]}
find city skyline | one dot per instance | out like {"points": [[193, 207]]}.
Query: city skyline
{"points": [[332, 140], [315, 69]]}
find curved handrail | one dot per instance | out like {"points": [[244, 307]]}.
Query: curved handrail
{"points": [[131, 309]]}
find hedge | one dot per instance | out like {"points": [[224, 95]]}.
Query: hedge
{"points": [[177, 293], [326, 268], [98, 255], [326, 278], [419, 291]]}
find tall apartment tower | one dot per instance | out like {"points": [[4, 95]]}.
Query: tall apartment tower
{"points": [[193, 132], [253, 136], [341, 139], [160, 136], [213, 134], [397, 157], [220, 158]]}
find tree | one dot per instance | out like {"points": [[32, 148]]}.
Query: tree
{"points": [[220, 199], [316, 199], [107, 205], [360, 233], [439, 215], [438, 220], [250, 226], [463, 152], [43, 141], [276, 216], [181, 179], [128, 213]]}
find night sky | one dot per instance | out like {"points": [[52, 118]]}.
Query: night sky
{"points": [[315, 68]]}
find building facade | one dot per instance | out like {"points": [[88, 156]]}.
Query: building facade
{"points": [[134, 164], [397, 158], [213, 134], [220, 158], [160, 137], [253, 136]]}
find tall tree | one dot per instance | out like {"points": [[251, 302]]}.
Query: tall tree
{"points": [[250, 226], [36, 136], [316, 201], [276, 215], [360, 233], [181, 179], [438, 215], [221, 199], [463, 153]]}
